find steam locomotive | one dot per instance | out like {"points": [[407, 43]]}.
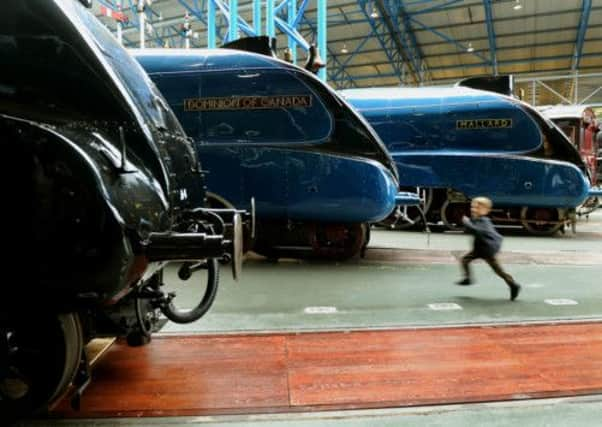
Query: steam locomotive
{"points": [[455, 143], [102, 189], [272, 131], [581, 126]]}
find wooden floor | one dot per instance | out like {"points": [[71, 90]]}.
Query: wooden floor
{"points": [[202, 375]]}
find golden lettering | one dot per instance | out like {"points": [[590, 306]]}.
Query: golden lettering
{"points": [[484, 124], [247, 103]]}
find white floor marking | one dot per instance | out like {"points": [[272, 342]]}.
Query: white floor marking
{"points": [[445, 306], [534, 285], [320, 310], [561, 301]]}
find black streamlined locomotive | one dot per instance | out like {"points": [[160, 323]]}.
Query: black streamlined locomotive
{"points": [[102, 189]]}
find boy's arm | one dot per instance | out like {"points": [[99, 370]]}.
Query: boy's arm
{"points": [[483, 226], [468, 224]]}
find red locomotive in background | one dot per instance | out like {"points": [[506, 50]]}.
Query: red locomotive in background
{"points": [[581, 125]]}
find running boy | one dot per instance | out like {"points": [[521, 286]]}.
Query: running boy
{"points": [[487, 243]]}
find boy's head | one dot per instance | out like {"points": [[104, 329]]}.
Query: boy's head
{"points": [[480, 206]]}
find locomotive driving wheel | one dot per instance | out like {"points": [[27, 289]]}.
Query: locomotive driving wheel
{"points": [[39, 361], [337, 241], [452, 213], [541, 221]]}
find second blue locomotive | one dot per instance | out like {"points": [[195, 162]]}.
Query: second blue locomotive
{"points": [[456, 143], [272, 131]]}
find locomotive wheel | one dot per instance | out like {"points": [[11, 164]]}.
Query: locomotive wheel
{"points": [[337, 241], [40, 359], [541, 221], [141, 335], [452, 213], [179, 314]]}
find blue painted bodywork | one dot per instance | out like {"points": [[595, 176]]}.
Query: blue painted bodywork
{"points": [[270, 130], [300, 185], [475, 142]]}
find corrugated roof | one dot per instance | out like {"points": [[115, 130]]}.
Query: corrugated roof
{"points": [[539, 38]]}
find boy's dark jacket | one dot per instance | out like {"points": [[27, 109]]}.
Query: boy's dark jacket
{"points": [[487, 241]]}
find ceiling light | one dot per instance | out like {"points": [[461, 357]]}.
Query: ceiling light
{"points": [[470, 48], [344, 49], [517, 6]]}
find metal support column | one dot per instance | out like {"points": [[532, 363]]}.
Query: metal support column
{"points": [[586, 8], [322, 24], [533, 89], [233, 29], [257, 16], [142, 22], [210, 24], [583, 24], [491, 35], [291, 15], [119, 25], [269, 18]]}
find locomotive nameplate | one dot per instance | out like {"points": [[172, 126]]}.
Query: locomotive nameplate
{"points": [[484, 124], [247, 103]]}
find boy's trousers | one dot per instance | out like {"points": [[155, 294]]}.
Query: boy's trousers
{"points": [[493, 263]]}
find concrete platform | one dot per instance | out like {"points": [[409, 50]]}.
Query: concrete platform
{"points": [[555, 412], [401, 278]]}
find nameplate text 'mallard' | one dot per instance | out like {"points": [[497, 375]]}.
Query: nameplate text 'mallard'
{"points": [[247, 103], [483, 124]]}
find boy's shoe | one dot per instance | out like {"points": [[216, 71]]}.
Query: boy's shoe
{"points": [[464, 282], [514, 291]]}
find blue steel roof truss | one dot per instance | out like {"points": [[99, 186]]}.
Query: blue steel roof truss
{"points": [[586, 8], [395, 29], [384, 32], [491, 35]]}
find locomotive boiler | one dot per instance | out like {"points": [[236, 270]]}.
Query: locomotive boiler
{"points": [[272, 131], [102, 189], [456, 143]]}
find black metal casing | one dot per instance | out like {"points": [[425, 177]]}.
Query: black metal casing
{"points": [[101, 163]]}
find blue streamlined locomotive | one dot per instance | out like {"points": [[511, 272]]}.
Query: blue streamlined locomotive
{"points": [[272, 131], [456, 143], [104, 189]]}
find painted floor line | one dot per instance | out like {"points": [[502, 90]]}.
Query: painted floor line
{"points": [[301, 330]]}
